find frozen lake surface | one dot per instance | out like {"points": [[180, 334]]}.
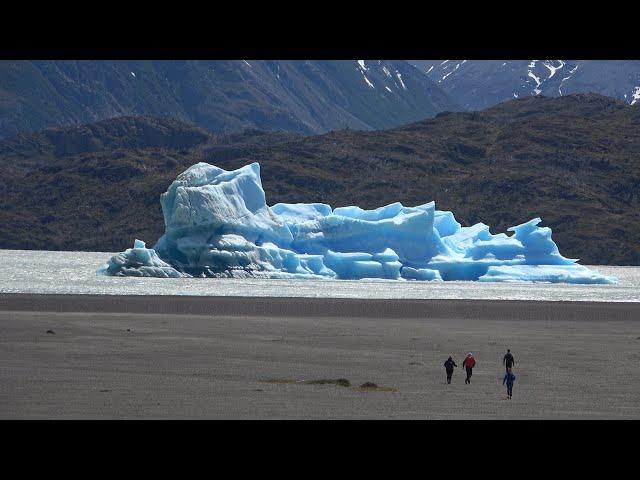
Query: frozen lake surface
{"points": [[75, 273]]}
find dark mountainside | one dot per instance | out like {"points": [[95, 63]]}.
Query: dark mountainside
{"points": [[222, 96], [479, 84], [572, 160]]}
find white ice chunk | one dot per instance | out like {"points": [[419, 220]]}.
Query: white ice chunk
{"points": [[545, 273]]}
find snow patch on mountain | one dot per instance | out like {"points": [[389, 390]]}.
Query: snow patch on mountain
{"points": [[552, 68], [458, 65], [542, 76], [486, 82], [399, 75], [368, 82], [562, 83], [571, 72], [537, 80], [363, 68], [538, 76]]}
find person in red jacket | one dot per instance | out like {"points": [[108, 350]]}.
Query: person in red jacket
{"points": [[468, 363]]}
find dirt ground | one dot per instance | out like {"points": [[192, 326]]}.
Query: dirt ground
{"points": [[125, 365]]}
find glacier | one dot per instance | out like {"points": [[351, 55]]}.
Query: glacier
{"points": [[218, 224]]}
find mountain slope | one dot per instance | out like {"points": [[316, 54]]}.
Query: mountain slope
{"points": [[221, 96], [573, 160], [478, 84]]}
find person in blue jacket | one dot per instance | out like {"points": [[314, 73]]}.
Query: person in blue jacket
{"points": [[508, 380]]}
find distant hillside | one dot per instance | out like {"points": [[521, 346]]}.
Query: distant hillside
{"points": [[222, 96], [574, 161], [112, 134], [479, 84]]}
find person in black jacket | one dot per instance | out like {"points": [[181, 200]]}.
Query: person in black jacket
{"points": [[448, 366], [508, 361]]}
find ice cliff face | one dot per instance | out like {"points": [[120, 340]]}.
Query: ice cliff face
{"points": [[218, 224]]}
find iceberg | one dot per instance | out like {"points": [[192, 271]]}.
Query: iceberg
{"points": [[138, 261], [218, 224]]}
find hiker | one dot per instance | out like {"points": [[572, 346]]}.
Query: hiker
{"points": [[508, 379], [468, 363], [448, 366], [508, 361]]}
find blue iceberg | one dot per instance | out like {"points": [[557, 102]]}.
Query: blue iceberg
{"points": [[138, 261], [218, 224]]}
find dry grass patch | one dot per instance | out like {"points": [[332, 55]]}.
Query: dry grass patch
{"points": [[372, 387], [342, 382]]}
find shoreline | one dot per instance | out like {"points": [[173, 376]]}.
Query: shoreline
{"points": [[321, 307]]}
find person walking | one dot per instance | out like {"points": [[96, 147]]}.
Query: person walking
{"points": [[468, 363], [508, 379], [508, 361], [448, 366]]}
